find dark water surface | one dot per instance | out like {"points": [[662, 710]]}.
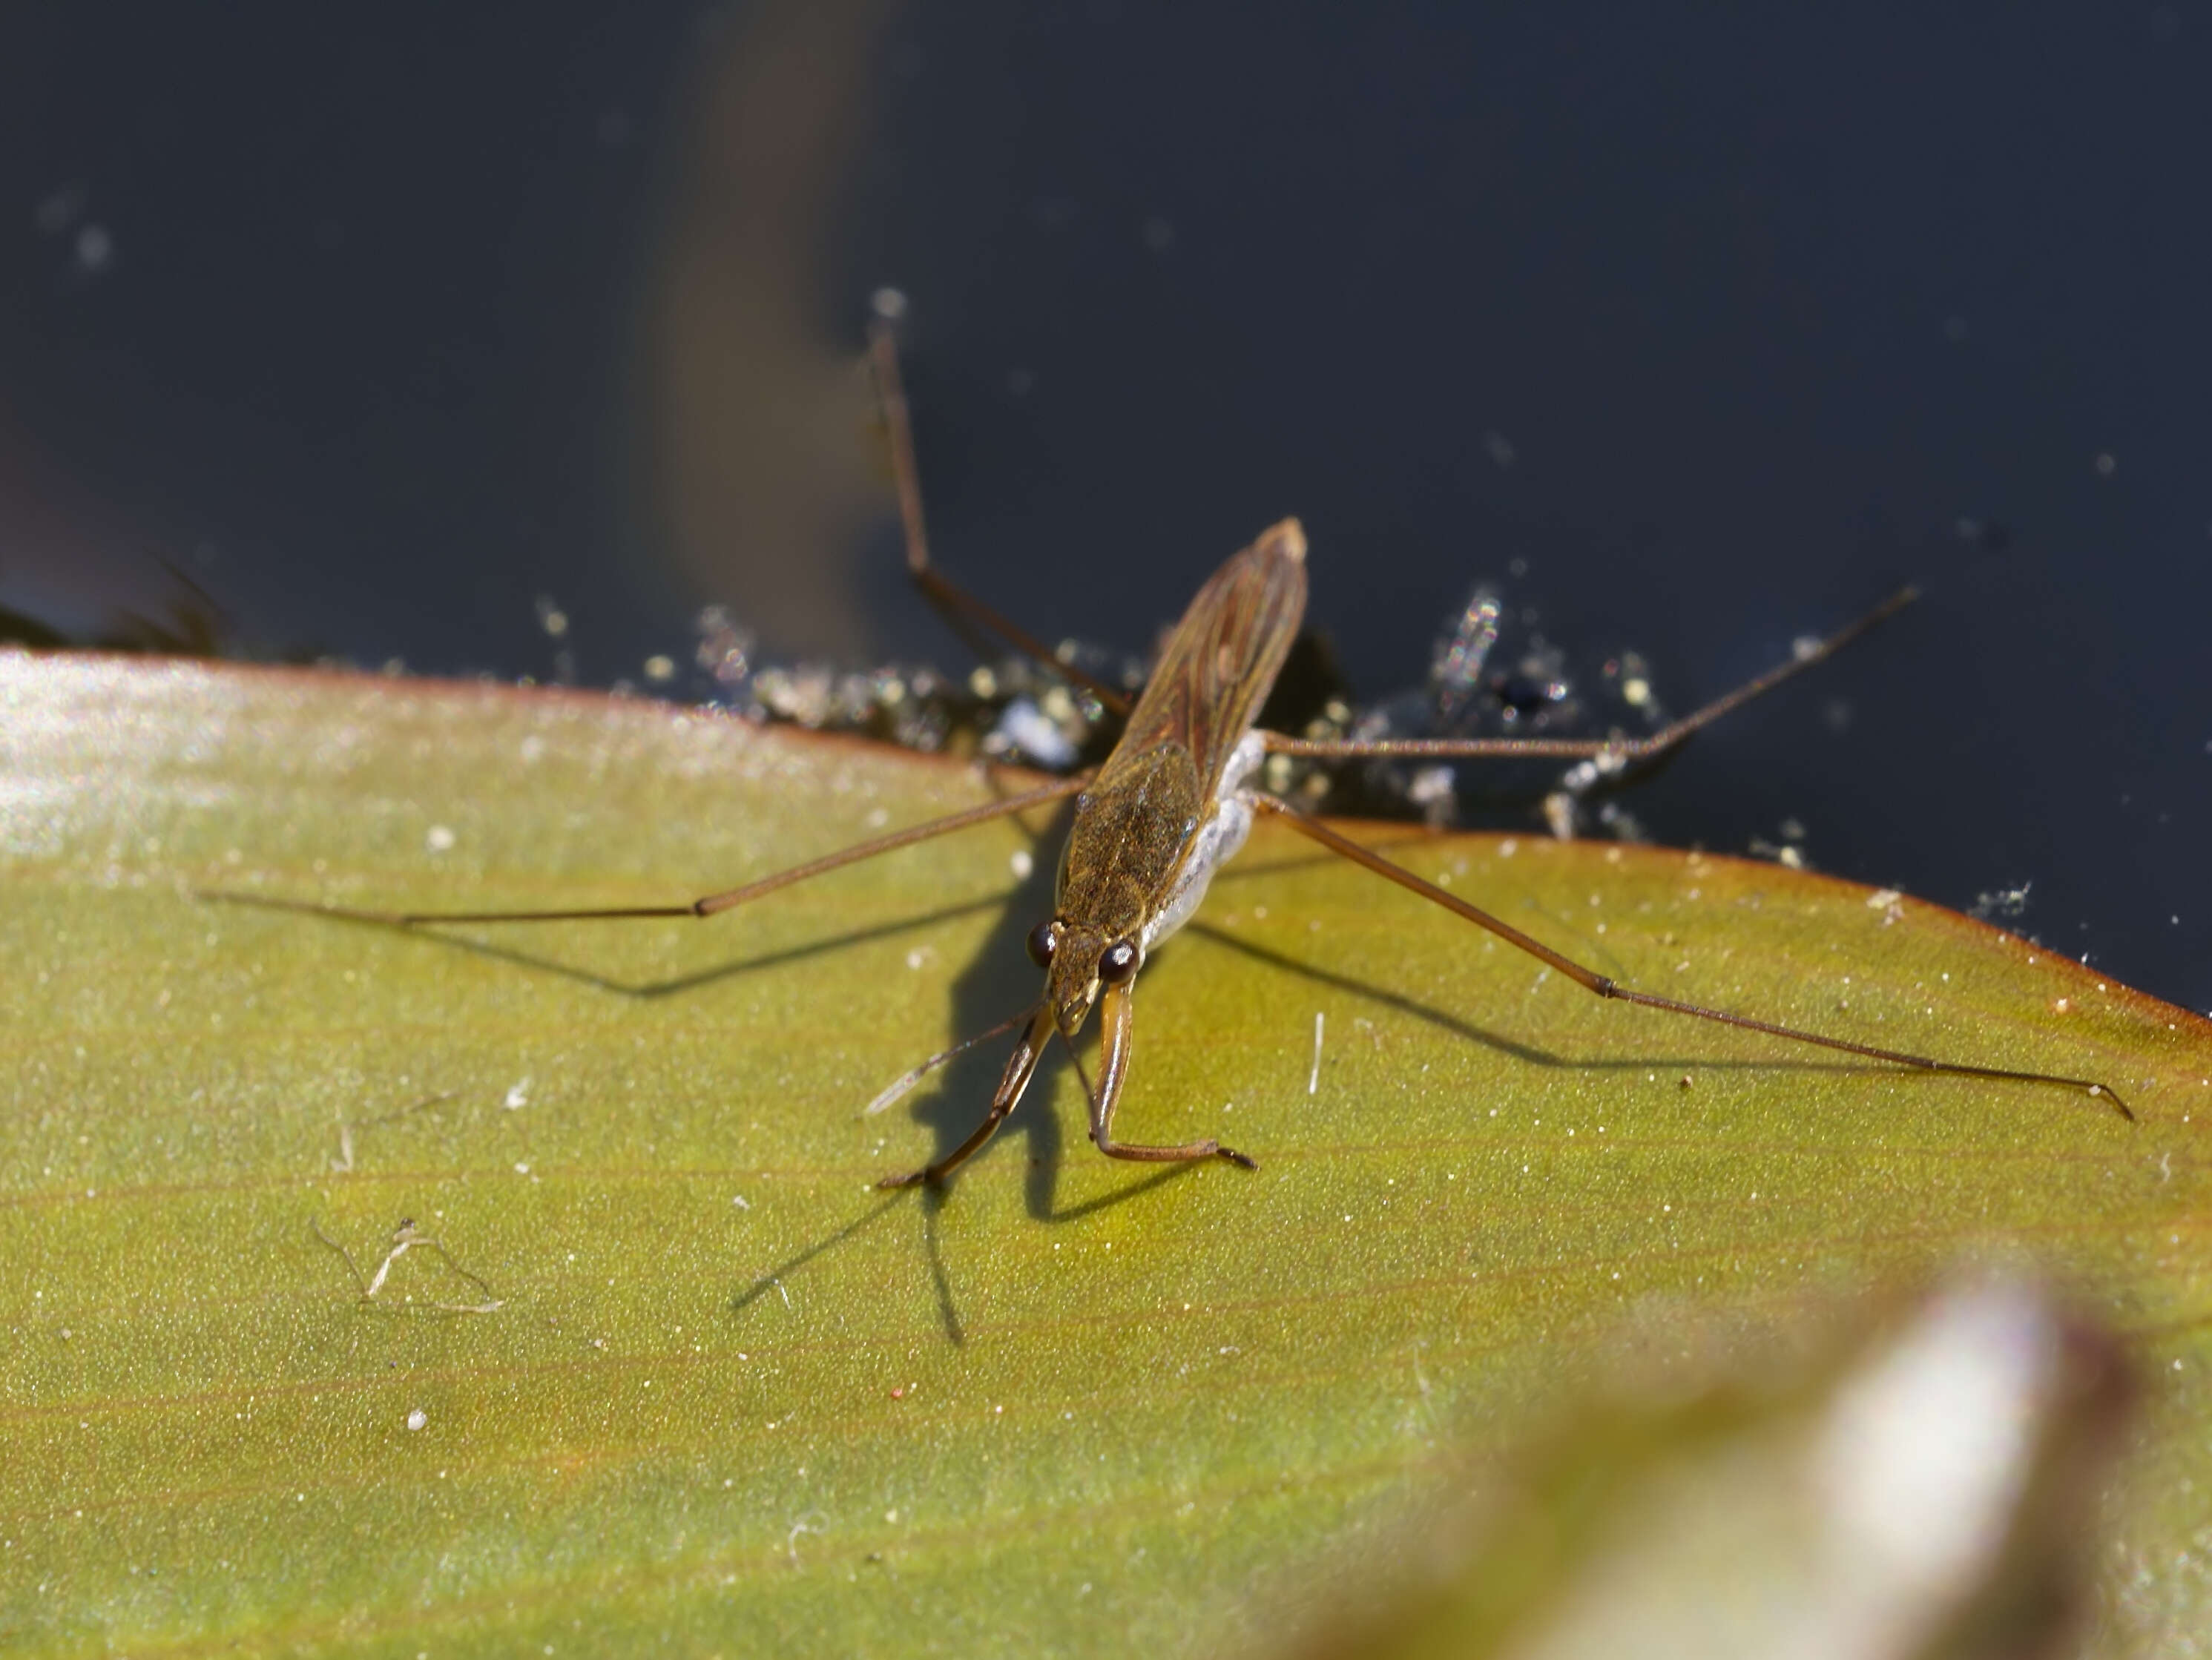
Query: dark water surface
{"points": [[1696, 328]]}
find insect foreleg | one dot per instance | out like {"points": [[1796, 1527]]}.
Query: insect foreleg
{"points": [[1117, 1015], [1021, 1066]]}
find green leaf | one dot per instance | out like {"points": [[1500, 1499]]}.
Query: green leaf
{"points": [[730, 1396]]}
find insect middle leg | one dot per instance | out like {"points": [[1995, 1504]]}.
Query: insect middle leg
{"points": [[711, 904], [1603, 986]]}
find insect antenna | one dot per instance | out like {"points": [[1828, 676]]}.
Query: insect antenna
{"points": [[906, 1080]]}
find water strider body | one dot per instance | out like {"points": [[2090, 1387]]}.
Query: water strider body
{"points": [[1174, 801], [1167, 810]]}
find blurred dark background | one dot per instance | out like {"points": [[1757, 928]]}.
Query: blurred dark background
{"points": [[422, 332]]}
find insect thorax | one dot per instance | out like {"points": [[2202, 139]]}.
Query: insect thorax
{"points": [[1216, 841]]}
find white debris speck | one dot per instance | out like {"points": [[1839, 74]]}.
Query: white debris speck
{"points": [[1026, 727], [1022, 864], [439, 838], [2000, 902], [1313, 1077], [1431, 786], [519, 1097], [740, 1201], [417, 1418], [95, 246], [522, 1170]]}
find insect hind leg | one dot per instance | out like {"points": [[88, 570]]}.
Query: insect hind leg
{"points": [[967, 616]]}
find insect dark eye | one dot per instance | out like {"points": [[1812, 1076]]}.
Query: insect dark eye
{"points": [[1117, 963], [1041, 942]]}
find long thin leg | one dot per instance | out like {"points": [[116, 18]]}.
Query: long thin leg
{"points": [[709, 904], [1613, 753], [1603, 987], [962, 610], [1116, 1009]]}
